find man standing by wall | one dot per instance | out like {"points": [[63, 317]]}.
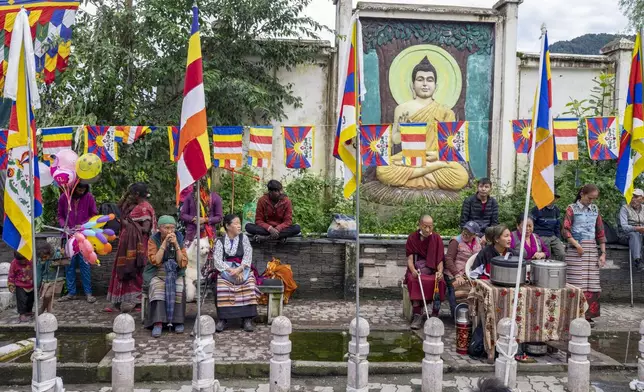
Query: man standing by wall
{"points": [[481, 208], [547, 224]]}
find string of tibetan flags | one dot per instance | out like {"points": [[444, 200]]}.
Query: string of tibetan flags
{"points": [[602, 137]]}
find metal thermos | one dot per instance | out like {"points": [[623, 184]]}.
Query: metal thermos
{"points": [[463, 328]]}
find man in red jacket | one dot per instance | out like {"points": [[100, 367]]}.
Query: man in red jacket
{"points": [[274, 216]]}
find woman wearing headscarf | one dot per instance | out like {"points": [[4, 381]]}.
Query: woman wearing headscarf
{"points": [[163, 277], [237, 292], [138, 222]]}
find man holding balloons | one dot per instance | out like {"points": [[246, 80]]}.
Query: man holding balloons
{"points": [[82, 207]]}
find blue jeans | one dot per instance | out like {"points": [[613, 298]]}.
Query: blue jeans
{"points": [[451, 295], [85, 272]]}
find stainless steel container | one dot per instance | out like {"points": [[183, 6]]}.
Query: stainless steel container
{"points": [[504, 272], [549, 274], [536, 348]]}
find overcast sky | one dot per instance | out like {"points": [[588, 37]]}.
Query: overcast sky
{"points": [[566, 19]]}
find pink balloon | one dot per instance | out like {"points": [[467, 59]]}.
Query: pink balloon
{"points": [[69, 247], [86, 248], [91, 258], [79, 237], [64, 177], [66, 159]]}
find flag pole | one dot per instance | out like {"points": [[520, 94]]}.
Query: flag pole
{"points": [[526, 208], [198, 239]]}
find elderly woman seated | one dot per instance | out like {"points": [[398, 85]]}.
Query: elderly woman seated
{"points": [[164, 278], [459, 250], [237, 292]]}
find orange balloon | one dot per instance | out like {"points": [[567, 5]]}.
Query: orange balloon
{"points": [[107, 248]]}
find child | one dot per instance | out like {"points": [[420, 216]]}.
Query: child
{"points": [[21, 282], [50, 278]]}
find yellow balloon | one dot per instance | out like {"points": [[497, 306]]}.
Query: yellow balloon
{"points": [[96, 243], [88, 167]]}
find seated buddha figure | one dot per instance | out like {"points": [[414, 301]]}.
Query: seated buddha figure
{"points": [[449, 176]]}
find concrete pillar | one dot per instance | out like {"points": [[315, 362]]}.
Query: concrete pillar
{"points": [[203, 362], [6, 297], [433, 348], [44, 357], [507, 346], [280, 373], [620, 51], [503, 155], [358, 366], [578, 363], [638, 385], [123, 347]]}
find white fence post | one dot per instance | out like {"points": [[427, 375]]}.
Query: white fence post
{"points": [[578, 363], [358, 366], [123, 347], [280, 373], [432, 363]]}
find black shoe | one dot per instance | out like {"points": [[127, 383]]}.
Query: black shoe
{"points": [[220, 326], [637, 264], [417, 322], [247, 325]]}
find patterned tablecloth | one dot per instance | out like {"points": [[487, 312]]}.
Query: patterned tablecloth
{"points": [[542, 314]]}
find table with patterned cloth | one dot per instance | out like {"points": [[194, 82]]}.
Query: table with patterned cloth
{"points": [[542, 315]]}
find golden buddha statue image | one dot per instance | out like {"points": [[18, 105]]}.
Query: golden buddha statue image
{"points": [[423, 108]]}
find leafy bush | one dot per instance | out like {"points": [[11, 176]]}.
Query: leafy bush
{"points": [[247, 189]]}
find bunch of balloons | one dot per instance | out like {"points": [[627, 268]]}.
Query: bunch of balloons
{"points": [[67, 170], [91, 240]]}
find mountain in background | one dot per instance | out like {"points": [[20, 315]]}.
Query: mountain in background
{"points": [[586, 44]]}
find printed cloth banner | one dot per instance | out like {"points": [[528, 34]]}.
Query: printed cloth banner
{"points": [[55, 140], [227, 146], [414, 141], [566, 138], [298, 146], [375, 144], [100, 140], [602, 137], [51, 24], [521, 133], [452, 141], [4, 156], [261, 146], [129, 135], [173, 139]]}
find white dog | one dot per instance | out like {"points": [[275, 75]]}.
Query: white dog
{"points": [[191, 270]]}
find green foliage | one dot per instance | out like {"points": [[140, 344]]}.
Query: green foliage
{"points": [[127, 67], [586, 44], [634, 10], [247, 189]]}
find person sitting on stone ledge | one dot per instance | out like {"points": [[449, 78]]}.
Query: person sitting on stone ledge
{"points": [[164, 278], [459, 250], [237, 293], [631, 222], [534, 247], [481, 208], [425, 254], [274, 216]]}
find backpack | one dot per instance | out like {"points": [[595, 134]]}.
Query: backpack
{"points": [[611, 234], [111, 208]]}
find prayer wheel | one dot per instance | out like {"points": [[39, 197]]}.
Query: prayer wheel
{"points": [[463, 329]]}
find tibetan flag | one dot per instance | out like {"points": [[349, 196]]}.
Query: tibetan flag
{"points": [[413, 140], [260, 146], [298, 146], [521, 133], [375, 144], [21, 87], [194, 150], [601, 134], [129, 135], [55, 140], [345, 145], [544, 156], [173, 140], [452, 141], [100, 141], [566, 138], [227, 146], [630, 163], [4, 156]]}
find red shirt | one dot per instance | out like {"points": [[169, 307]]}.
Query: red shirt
{"points": [[278, 215]]}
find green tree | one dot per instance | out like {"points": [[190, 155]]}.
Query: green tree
{"points": [[634, 10], [127, 67]]}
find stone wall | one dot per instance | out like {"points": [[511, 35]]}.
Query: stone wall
{"points": [[325, 268]]}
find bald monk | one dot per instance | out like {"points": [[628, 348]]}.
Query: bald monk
{"points": [[423, 109], [425, 254]]}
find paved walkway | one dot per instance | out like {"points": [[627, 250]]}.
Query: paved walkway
{"points": [[234, 345], [612, 382]]}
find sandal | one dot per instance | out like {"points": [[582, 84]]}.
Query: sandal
{"points": [[108, 310], [91, 299], [524, 358], [67, 298]]}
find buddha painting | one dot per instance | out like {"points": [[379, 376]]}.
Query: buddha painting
{"points": [[423, 108]]}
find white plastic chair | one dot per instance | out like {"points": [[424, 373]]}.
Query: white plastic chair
{"points": [[468, 266]]}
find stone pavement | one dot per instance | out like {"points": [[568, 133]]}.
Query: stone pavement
{"points": [[234, 346], [612, 382]]}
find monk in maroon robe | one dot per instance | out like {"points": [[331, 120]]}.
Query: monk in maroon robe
{"points": [[425, 254]]}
